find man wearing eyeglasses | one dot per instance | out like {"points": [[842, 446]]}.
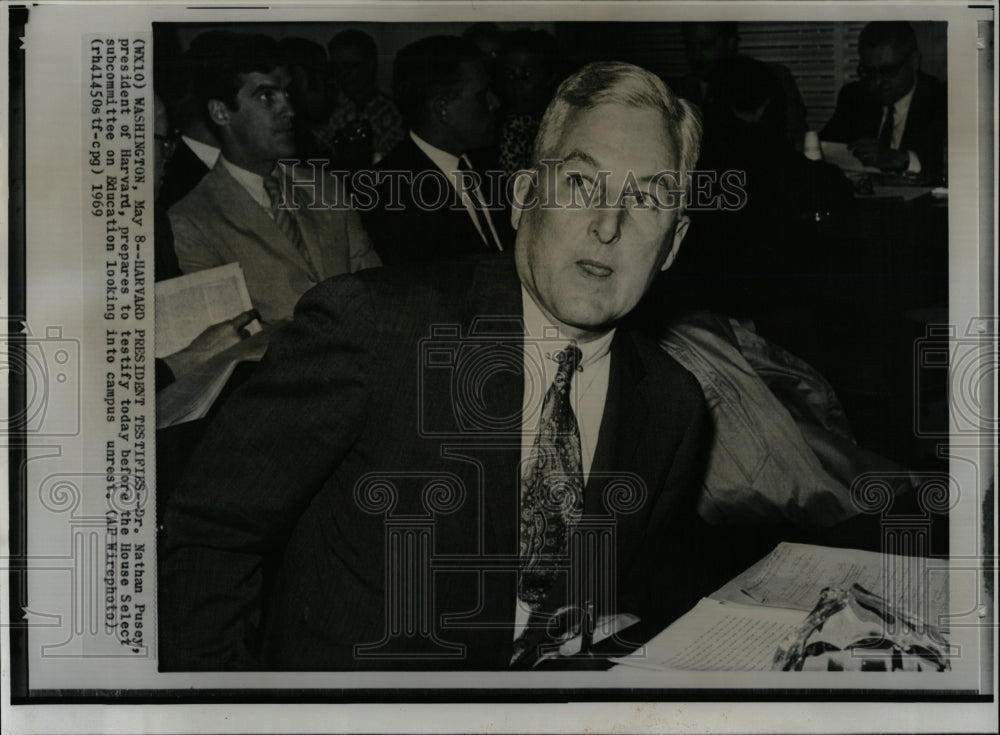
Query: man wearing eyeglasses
{"points": [[895, 117]]}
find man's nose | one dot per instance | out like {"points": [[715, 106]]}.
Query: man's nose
{"points": [[606, 222], [285, 105], [492, 101]]}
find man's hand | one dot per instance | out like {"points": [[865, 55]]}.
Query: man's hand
{"points": [[211, 342], [871, 153]]}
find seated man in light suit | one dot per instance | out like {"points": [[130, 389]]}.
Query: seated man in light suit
{"points": [[458, 466], [895, 117], [246, 209]]}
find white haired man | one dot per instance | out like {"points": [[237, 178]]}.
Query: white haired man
{"points": [[462, 467]]}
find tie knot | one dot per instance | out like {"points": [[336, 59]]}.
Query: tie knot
{"points": [[569, 360], [273, 188]]}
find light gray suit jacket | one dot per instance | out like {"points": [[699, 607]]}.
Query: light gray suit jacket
{"points": [[218, 222]]}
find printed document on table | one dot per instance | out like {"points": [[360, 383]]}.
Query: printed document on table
{"points": [[718, 636], [793, 575]]}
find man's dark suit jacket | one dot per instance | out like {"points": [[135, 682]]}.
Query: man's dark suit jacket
{"points": [[858, 115], [182, 174], [413, 234], [347, 435]]}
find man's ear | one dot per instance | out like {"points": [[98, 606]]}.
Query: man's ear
{"points": [[439, 108], [680, 230], [218, 112], [523, 183]]}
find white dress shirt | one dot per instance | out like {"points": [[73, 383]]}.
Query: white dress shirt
{"points": [[207, 154], [900, 111], [447, 163], [254, 184], [588, 392]]}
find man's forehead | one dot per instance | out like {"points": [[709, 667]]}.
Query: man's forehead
{"points": [[473, 73], [888, 52], [277, 77], [600, 137], [349, 57]]}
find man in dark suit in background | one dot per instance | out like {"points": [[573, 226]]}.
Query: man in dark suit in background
{"points": [[895, 117], [711, 50], [433, 201], [197, 147], [394, 454]]}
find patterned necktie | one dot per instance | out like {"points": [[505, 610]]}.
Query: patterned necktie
{"points": [[885, 136], [480, 214], [285, 221], [551, 500]]}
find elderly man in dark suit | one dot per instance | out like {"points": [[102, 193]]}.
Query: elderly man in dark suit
{"points": [[464, 465], [433, 200], [895, 117]]}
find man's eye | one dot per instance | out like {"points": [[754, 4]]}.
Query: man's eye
{"points": [[577, 180], [637, 198]]}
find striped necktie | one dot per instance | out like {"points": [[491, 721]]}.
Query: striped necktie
{"points": [[289, 227]]}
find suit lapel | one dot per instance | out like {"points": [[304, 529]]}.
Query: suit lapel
{"points": [[919, 110], [461, 225], [623, 424], [497, 309], [872, 121], [623, 458], [247, 216]]}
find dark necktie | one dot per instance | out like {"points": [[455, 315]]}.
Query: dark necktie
{"points": [[551, 503], [885, 136], [285, 221], [480, 213]]}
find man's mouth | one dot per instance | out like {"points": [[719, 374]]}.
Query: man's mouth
{"points": [[594, 269]]}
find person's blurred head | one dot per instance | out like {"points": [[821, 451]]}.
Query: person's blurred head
{"points": [[185, 105], [354, 61], [707, 44], [489, 40], [312, 90], [746, 87], [245, 90], [527, 61], [442, 88], [612, 132], [890, 59]]}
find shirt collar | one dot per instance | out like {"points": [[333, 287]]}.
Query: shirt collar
{"points": [[207, 154], [540, 327], [902, 105], [253, 183], [447, 162]]}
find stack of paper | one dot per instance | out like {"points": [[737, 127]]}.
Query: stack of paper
{"points": [[740, 626]]}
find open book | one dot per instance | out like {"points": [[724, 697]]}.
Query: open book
{"points": [[185, 307], [741, 625], [188, 305]]}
